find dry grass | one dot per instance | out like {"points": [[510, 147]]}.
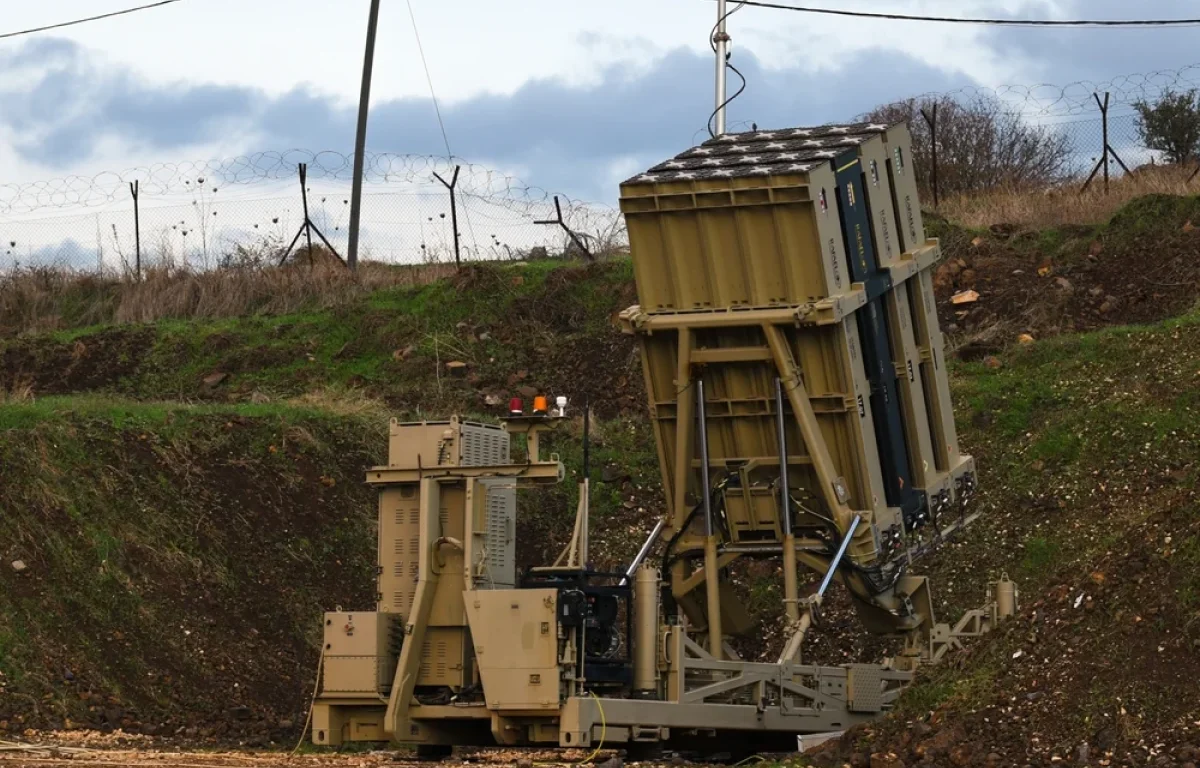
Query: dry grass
{"points": [[1061, 206], [49, 299]]}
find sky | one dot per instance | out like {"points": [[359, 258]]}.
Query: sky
{"points": [[568, 95]]}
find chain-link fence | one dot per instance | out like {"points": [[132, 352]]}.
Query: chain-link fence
{"points": [[251, 211]]}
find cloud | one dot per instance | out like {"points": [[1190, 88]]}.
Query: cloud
{"points": [[570, 138], [61, 103], [1069, 55]]}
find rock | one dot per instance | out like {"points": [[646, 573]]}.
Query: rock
{"points": [[1096, 291], [19, 566], [215, 379], [961, 755], [456, 368], [890, 760], [485, 336], [493, 400], [1064, 284], [1084, 753], [614, 762]]}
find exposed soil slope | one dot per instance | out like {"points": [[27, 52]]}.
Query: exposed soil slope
{"points": [[162, 566], [1142, 266], [1088, 448]]}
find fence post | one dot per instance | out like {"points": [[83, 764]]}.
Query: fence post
{"points": [[1104, 124], [137, 232], [453, 211], [559, 221], [1108, 150], [933, 142]]}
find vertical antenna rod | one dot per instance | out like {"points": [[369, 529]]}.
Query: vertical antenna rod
{"points": [[721, 43], [360, 141]]}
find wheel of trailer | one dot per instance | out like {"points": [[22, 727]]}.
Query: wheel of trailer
{"points": [[433, 752]]}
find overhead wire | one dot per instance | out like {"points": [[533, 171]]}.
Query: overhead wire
{"points": [[438, 111], [1094, 23], [74, 22]]}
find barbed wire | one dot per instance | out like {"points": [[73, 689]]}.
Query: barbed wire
{"points": [[1077, 98], [195, 177]]}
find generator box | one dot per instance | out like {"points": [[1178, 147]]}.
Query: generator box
{"points": [[360, 653]]}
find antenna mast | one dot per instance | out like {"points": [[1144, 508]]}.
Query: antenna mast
{"points": [[720, 42]]}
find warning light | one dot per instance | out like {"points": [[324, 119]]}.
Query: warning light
{"points": [[540, 405], [516, 407]]}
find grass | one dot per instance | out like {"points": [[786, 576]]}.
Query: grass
{"points": [[1064, 206], [42, 299]]}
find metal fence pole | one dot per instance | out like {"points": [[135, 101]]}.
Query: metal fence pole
{"points": [[1107, 152], [137, 232], [933, 143], [304, 202], [1104, 124], [453, 211]]}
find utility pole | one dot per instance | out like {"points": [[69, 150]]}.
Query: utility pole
{"points": [[360, 142], [720, 42]]}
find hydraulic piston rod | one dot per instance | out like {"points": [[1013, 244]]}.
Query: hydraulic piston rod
{"points": [[791, 590], [712, 582], [644, 551], [801, 627]]}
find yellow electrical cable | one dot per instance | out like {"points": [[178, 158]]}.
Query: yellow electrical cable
{"points": [[312, 702]]}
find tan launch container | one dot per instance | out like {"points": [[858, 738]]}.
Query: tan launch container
{"points": [[762, 221]]}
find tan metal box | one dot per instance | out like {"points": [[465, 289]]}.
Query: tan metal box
{"points": [[452, 443], [360, 650]]}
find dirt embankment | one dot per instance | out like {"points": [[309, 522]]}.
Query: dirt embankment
{"points": [[1142, 266], [162, 571]]}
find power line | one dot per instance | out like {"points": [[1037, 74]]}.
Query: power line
{"points": [[1102, 23], [85, 21], [429, 79], [437, 109]]}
